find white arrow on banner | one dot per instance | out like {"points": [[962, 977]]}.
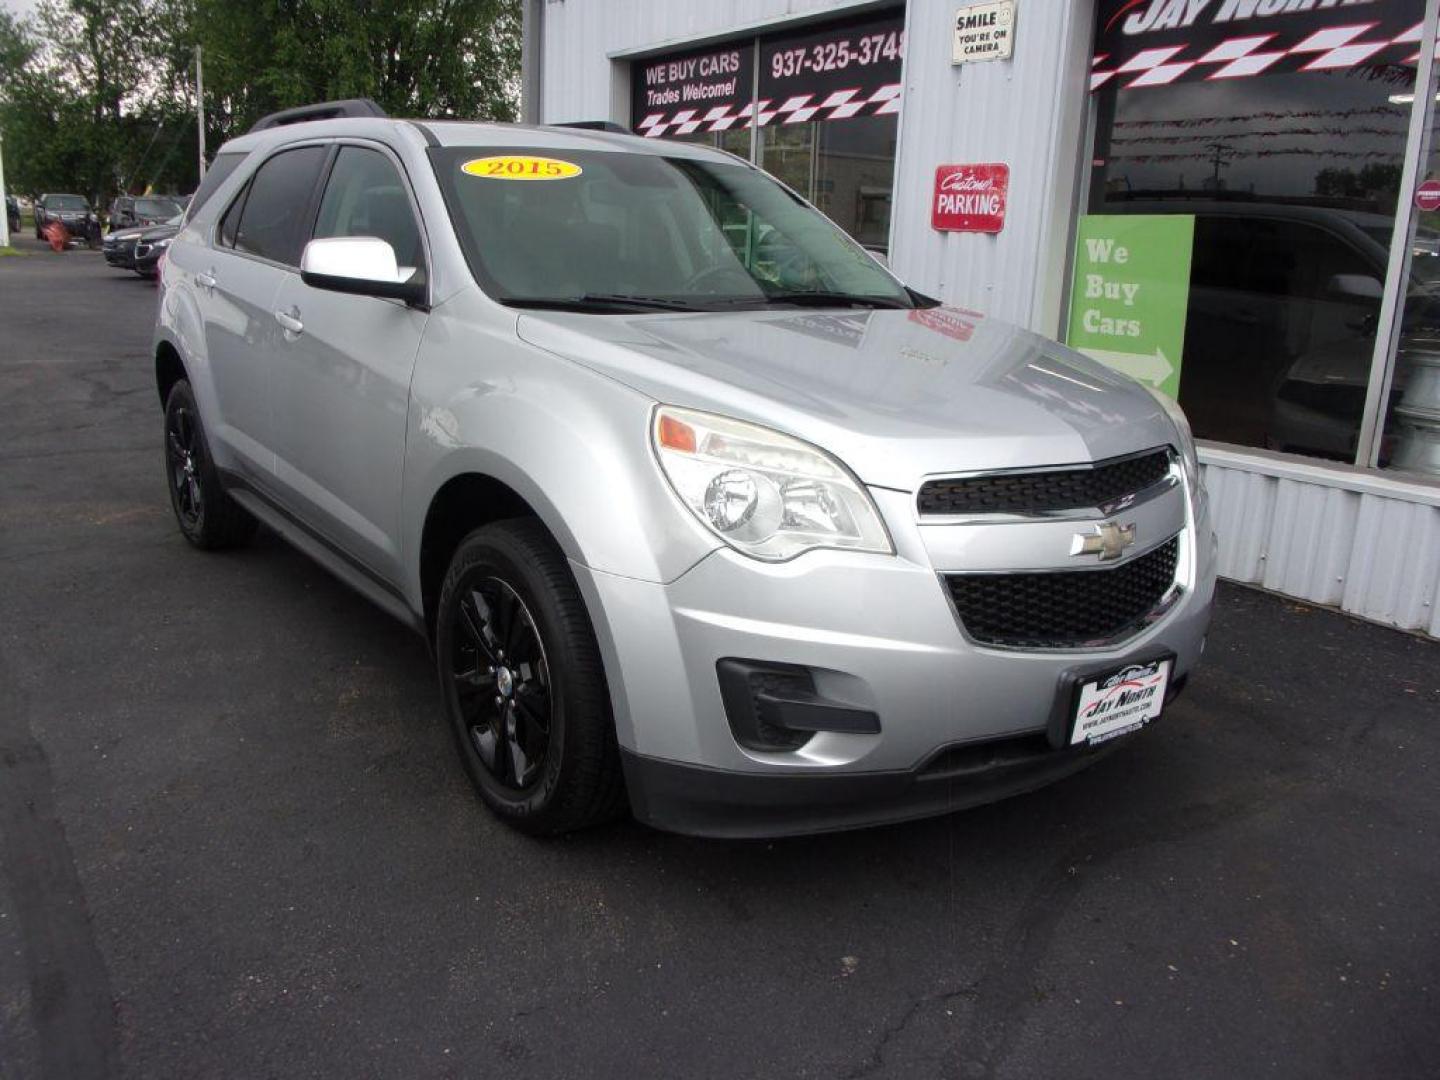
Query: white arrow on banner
{"points": [[1153, 368]]}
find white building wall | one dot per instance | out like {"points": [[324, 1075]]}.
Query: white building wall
{"points": [[1027, 112], [1365, 542], [581, 81]]}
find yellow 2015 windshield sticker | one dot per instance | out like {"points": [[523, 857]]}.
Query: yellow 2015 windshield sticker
{"points": [[521, 167]]}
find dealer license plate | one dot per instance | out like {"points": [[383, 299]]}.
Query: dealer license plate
{"points": [[1120, 702]]}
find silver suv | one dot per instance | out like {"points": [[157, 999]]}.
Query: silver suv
{"points": [[703, 513]]}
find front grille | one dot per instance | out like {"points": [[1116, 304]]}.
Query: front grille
{"points": [[1070, 488], [1063, 608]]}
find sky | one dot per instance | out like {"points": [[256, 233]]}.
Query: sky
{"points": [[18, 7]]}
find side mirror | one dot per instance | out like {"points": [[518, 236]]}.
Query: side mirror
{"points": [[1355, 287], [362, 265], [880, 255]]}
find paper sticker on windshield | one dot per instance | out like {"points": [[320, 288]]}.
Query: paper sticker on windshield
{"points": [[521, 167]]}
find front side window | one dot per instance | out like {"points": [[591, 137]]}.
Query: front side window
{"points": [[365, 197], [272, 222], [644, 229]]}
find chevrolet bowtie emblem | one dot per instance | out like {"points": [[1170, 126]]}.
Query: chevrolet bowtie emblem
{"points": [[1109, 541]]}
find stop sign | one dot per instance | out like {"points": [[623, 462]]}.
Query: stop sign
{"points": [[1427, 195]]}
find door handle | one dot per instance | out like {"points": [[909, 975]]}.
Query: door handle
{"points": [[206, 281], [290, 320]]}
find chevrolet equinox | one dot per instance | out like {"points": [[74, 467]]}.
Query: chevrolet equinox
{"points": [[703, 513]]}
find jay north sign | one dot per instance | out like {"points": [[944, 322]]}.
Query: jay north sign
{"points": [[1141, 43]]}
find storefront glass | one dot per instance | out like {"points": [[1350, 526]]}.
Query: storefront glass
{"points": [[826, 98], [1411, 418], [1283, 139]]}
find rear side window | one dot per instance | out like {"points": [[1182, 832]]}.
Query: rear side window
{"points": [[219, 171], [273, 219]]}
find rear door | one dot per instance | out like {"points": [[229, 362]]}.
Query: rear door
{"points": [[257, 245], [342, 382]]}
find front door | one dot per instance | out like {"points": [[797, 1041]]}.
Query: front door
{"points": [[341, 389]]}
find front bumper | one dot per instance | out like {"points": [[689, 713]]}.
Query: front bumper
{"points": [[699, 801], [878, 635]]}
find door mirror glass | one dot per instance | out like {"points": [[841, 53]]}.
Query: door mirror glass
{"points": [[1355, 287], [363, 265]]}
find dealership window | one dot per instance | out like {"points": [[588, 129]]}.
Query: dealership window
{"points": [[1284, 141], [827, 100]]}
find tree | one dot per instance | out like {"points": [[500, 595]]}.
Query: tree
{"points": [[96, 95], [455, 58]]}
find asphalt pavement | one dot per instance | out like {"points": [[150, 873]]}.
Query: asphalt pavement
{"points": [[235, 840]]}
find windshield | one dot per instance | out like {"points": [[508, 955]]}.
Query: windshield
{"points": [[66, 202], [157, 208], [605, 231]]}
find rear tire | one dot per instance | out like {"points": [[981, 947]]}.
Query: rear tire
{"points": [[208, 517], [523, 682]]}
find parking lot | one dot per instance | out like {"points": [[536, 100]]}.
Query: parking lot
{"points": [[236, 841]]}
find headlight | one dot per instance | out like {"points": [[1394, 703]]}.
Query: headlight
{"points": [[1187, 439], [161, 244], [765, 494]]}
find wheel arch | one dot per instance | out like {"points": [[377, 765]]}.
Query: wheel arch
{"points": [[465, 502], [169, 369]]}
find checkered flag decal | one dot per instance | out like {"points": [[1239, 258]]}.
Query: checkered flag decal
{"points": [[839, 105], [1331, 49]]}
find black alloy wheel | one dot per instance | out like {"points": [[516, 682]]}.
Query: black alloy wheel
{"points": [[523, 682], [208, 517], [502, 680], [182, 452]]}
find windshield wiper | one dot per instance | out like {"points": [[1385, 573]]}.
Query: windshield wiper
{"points": [[816, 298], [601, 302]]}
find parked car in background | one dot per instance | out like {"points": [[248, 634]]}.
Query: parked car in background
{"points": [[1283, 308], [72, 211], [119, 247], [129, 211], [12, 213], [759, 546], [150, 245]]}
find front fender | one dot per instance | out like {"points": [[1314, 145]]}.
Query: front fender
{"points": [[574, 444]]}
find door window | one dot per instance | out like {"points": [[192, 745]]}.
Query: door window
{"points": [[366, 197], [272, 220]]}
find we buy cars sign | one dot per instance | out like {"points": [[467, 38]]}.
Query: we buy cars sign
{"points": [[970, 198]]}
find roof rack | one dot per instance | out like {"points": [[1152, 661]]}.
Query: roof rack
{"points": [[324, 110], [594, 125]]}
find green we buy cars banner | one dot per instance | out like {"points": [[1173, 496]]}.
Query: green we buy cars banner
{"points": [[1129, 294]]}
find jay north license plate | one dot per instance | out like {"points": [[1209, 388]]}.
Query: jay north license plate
{"points": [[1120, 702]]}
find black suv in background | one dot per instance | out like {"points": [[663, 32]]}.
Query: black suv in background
{"points": [[12, 213], [72, 211], [130, 211]]}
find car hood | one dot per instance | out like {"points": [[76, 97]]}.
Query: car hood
{"points": [[123, 234], [158, 232], [895, 394]]}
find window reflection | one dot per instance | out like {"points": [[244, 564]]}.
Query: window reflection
{"points": [[1293, 182]]}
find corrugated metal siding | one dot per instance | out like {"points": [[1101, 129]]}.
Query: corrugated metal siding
{"points": [[1026, 112], [1362, 542]]}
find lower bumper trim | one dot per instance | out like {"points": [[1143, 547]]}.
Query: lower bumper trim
{"points": [[700, 801]]}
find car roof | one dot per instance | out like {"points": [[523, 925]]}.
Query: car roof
{"points": [[442, 133]]}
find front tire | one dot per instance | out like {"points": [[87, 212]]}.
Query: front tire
{"points": [[523, 682], [208, 517]]}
